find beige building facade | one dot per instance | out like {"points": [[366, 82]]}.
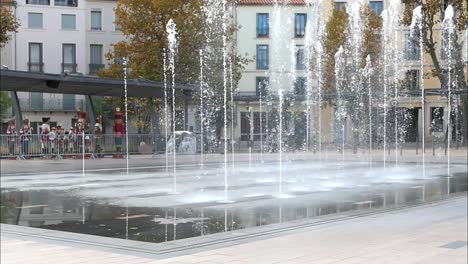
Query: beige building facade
{"points": [[252, 39]]}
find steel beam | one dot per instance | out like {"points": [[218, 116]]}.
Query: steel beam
{"points": [[16, 109]]}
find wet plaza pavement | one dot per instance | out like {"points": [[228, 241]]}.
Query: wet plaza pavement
{"points": [[143, 206], [433, 232]]}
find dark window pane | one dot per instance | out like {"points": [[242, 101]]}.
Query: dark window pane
{"points": [[412, 79], [69, 102], [96, 20], [262, 57], [437, 119], [36, 101], [300, 86], [262, 86], [300, 25], [95, 58], [66, 2], [34, 20], [412, 50], [300, 57], [69, 58], [376, 6], [258, 125], [68, 22], [37, 2], [245, 125], [340, 5], [35, 57], [262, 25]]}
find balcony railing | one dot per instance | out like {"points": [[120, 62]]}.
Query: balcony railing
{"points": [[412, 55], [36, 66], [38, 2], [51, 104], [94, 68], [69, 67], [66, 2]]}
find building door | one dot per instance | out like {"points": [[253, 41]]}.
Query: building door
{"points": [[411, 119]]}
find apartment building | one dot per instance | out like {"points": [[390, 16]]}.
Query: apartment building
{"points": [[255, 39], [59, 37], [277, 48]]}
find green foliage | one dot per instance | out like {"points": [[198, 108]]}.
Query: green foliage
{"points": [[334, 37], [8, 23], [5, 104], [143, 22], [433, 15]]}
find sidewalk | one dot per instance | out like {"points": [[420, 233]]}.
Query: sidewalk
{"points": [[155, 161], [431, 233]]}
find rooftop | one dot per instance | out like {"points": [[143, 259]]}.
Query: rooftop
{"points": [[271, 2]]}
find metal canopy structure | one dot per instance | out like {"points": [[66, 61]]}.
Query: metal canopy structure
{"points": [[20, 81]]}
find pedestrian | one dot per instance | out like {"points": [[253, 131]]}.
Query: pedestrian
{"points": [[11, 137], [52, 139], [25, 137], [98, 136], [45, 128]]}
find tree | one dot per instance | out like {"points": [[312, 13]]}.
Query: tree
{"points": [[5, 103], [8, 24], [433, 15], [333, 38], [143, 22], [339, 32]]}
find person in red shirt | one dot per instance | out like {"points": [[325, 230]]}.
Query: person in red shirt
{"points": [[119, 131]]}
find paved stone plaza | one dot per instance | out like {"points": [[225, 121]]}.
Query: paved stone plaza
{"points": [[429, 233], [407, 155]]}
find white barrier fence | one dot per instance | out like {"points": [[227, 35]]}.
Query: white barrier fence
{"points": [[73, 146]]}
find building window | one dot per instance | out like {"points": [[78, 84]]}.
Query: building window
{"points": [[69, 102], [36, 101], [262, 57], [96, 64], [376, 6], [34, 20], [68, 22], [117, 27], [340, 5], [262, 86], [37, 2], [300, 25], [443, 48], [69, 58], [437, 119], [412, 80], [300, 86], [96, 20], [180, 120], [412, 50], [35, 63], [262, 25], [255, 131], [300, 57], [66, 2]]}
